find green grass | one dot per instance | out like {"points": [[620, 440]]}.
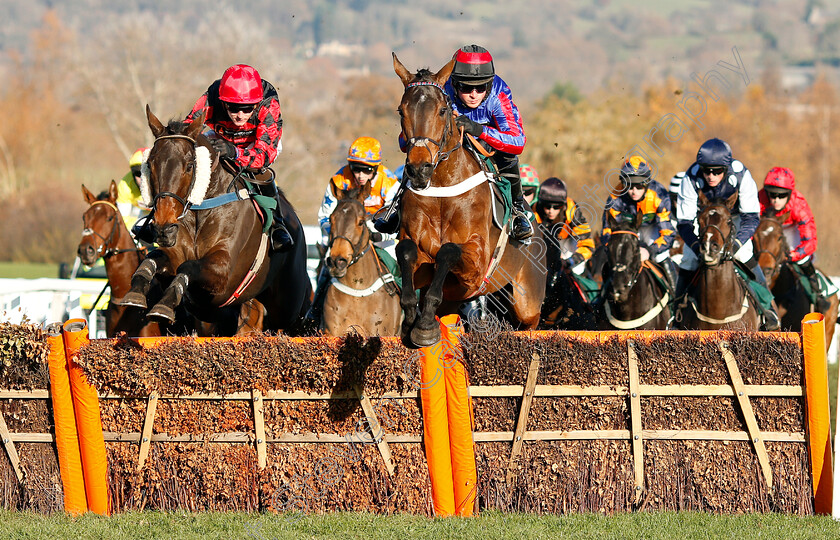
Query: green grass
{"points": [[489, 525], [28, 270]]}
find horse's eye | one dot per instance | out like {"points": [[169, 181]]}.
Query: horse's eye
{"points": [[189, 166], [443, 111], [401, 113]]}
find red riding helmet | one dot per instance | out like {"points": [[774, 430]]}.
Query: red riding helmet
{"points": [[241, 84], [473, 65], [781, 178]]}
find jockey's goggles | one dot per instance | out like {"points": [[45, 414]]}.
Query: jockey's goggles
{"points": [[135, 171], [466, 88], [528, 191], [774, 194], [712, 170], [362, 168], [553, 206], [240, 107]]}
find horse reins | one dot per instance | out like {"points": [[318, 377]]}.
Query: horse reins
{"points": [[639, 273], [728, 239], [411, 142]]}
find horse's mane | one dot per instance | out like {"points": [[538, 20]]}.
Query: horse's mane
{"points": [[423, 74], [103, 196]]}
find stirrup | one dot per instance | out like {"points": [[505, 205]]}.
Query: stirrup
{"points": [[520, 232], [280, 238]]}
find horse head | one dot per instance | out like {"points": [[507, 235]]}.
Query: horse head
{"points": [[176, 174], [102, 224], [349, 235], [427, 122], [717, 231], [624, 260], [770, 244]]}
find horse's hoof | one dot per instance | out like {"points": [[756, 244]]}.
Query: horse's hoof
{"points": [[132, 299], [425, 338], [162, 312]]}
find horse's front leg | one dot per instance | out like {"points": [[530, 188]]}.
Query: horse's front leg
{"points": [[142, 280], [407, 256], [209, 275], [427, 330]]}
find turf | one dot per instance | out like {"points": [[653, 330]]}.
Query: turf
{"points": [[489, 525]]}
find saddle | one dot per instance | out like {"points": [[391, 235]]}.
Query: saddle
{"points": [[502, 201]]}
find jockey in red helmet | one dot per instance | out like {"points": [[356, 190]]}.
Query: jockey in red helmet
{"points": [[244, 113], [486, 111], [780, 194]]}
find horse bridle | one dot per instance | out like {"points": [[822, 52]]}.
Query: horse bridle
{"points": [[185, 203], [778, 258], [359, 249], [726, 251], [412, 142], [639, 273], [103, 250]]}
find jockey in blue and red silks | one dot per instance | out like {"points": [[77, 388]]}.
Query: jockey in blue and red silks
{"points": [[485, 108], [244, 113]]}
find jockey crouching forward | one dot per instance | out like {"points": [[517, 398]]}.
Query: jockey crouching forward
{"points": [[486, 111], [718, 176], [780, 194], [244, 113], [636, 194], [364, 166]]}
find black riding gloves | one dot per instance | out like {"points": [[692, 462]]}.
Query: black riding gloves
{"points": [[224, 148], [473, 128]]}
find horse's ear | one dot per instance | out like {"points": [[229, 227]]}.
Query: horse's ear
{"points": [[784, 217], [731, 200], [196, 125], [400, 69], [89, 197], [612, 223], [112, 191], [640, 217], [154, 124], [337, 193], [702, 200], [443, 75]]}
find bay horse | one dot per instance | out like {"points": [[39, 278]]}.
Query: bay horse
{"points": [[722, 300], [633, 297], [362, 292], [772, 249], [106, 235], [213, 254], [447, 237]]}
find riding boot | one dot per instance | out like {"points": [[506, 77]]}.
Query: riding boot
{"points": [[821, 304], [316, 310], [387, 219], [281, 239], [521, 228], [683, 281], [669, 268]]}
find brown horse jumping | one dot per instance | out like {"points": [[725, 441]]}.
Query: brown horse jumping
{"points": [[358, 295], [215, 254], [722, 300], [447, 237], [772, 248], [106, 235]]}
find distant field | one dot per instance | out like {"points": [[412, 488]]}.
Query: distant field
{"points": [[490, 525], [28, 270]]}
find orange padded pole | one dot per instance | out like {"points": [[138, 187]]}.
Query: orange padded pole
{"points": [[66, 438], [436, 428], [88, 421], [459, 411], [816, 399]]}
